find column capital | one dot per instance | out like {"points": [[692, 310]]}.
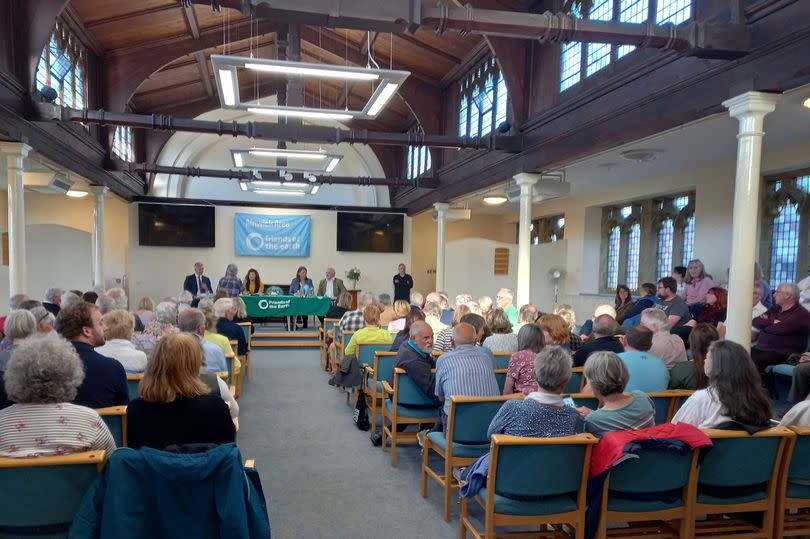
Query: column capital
{"points": [[524, 178], [752, 104], [15, 149], [98, 190], [441, 207]]}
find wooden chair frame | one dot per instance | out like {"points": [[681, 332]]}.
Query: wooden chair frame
{"points": [[507, 355], [719, 524], [390, 432], [249, 339], [323, 332], [117, 410], [238, 375], [132, 376], [576, 518], [792, 514], [97, 457], [375, 398], [674, 395], [446, 479]]}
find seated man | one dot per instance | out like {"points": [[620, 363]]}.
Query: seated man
{"points": [[602, 339], [192, 321], [671, 303], [225, 310], [52, 299], [526, 315], [782, 330], [386, 310], [415, 357], [647, 372], [353, 320], [665, 345]]}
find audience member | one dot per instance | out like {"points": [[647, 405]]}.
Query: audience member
{"points": [[403, 335], [30, 304], [353, 320], [240, 315], [502, 339], [52, 299], [804, 292], [607, 377], [45, 320], [401, 309], [386, 310], [646, 299], [734, 393], [253, 283], [165, 321], [696, 285], [674, 306], [555, 330], [444, 339], [798, 415], [42, 378], [371, 332], [417, 299], [225, 311], [586, 328], [665, 345], [800, 385], [414, 356], [691, 374], [569, 315], [20, 325], [504, 299], [474, 307], [211, 334], [527, 314], [14, 303], [403, 283], [520, 377], [622, 302], [90, 296], [767, 297], [341, 307], [175, 407], [647, 372], [759, 309], [477, 321], [105, 381], [602, 339], [714, 308], [230, 282], [118, 327], [432, 312], [679, 274], [192, 321], [146, 311], [105, 304], [486, 305], [783, 330]]}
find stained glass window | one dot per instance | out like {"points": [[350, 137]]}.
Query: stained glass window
{"points": [[664, 256], [688, 241], [614, 244], [484, 101], [61, 67], [633, 249], [785, 244]]}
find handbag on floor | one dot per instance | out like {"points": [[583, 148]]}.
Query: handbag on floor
{"points": [[360, 413]]}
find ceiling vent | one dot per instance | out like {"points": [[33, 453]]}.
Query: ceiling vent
{"points": [[47, 182], [544, 189], [454, 214]]}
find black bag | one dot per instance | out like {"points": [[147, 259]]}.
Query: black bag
{"points": [[360, 414]]}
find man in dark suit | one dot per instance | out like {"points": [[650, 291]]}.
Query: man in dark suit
{"points": [[197, 283], [52, 300], [331, 286]]}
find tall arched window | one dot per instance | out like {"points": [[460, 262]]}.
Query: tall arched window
{"points": [[122, 143], [483, 100], [418, 161], [786, 229], [614, 245], [633, 250], [62, 66]]}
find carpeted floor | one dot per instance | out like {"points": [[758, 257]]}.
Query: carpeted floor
{"points": [[321, 476]]}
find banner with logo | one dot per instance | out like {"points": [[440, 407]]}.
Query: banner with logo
{"points": [[271, 235]]}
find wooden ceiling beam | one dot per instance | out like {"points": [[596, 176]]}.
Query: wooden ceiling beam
{"points": [[407, 38], [205, 76], [74, 22], [190, 17], [131, 15]]}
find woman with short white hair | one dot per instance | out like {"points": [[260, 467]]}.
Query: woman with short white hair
{"points": [[44, 319], [118, 327]]}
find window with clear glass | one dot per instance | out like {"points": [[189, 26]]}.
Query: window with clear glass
{"points": [[688, 241], [483, 101], [122, 144], [547, 229], [633, 249], [786, 229], [614, 244], [666, 234], [418, 161], [62, 66], [593, 57]]}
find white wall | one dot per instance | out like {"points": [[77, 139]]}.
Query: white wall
{"points": [[470, 267], [60, 252], [159, 271]]}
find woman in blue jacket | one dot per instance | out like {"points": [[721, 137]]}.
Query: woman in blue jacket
{"points": [[301, 286]]}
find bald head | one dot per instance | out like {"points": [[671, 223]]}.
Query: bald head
{"points": [[464, 333]]}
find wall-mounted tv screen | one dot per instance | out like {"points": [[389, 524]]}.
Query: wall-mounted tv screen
{"points": [[370, 232], [175, 225]]}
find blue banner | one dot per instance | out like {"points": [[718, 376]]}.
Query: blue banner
{"points": [[271, 235]]}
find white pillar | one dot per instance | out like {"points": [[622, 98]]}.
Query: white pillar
{"points": [[98, 234], [15, 153], [524, 261], [750, 110], [441, 211]]}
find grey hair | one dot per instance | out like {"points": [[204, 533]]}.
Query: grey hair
{"points": [[473, 306], [656, 318], [606, 373], [198, 265], [605, 325], [385, 299], [119, 296], [485, 302], [416, 327], [190, 319], [166, 312], [528, 313], [69, 298], [186, 297], [105, 304], [417, 298], [51, 292], [366, 298], [790, 288], [231, 270], [15, 300], [41, 315], [464, 333], [552, 368], [205, 303], [20, 324], [462, 299], [44, 370], [432, 308], [222, 306], [507, 292], [531, 336]]}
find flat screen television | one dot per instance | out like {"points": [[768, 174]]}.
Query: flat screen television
{"points": [[370, 232], [176, 225]]}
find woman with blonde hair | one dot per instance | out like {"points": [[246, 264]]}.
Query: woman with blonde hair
{"points": [[176, 407], [146, 310], [555, 330], [401, 310]]}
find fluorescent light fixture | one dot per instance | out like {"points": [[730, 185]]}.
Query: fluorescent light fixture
{"points": [[278, 192], [332, 164], [265, 184], [243, 186], [301, 113], [76, 194], [285, 161], [292, 154], [315, 189], [226, 78], [494, 200], [380, 97], [238, 160], [291, 68]]}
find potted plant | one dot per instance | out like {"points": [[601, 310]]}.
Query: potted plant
{"points": [[353, 275]]}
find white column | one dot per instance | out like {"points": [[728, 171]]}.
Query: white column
{"points": [[441, 210], [750, 110], [524, 262], [15, 153], [98, 234]]}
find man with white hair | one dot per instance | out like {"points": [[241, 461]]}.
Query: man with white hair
{"points": [[417, 299], [526, 315], [433, 313], [192, 321], [504, 299], [665, 345], [225, 310], [331, 287], [52, 299], [782, 330], [353, 320]]}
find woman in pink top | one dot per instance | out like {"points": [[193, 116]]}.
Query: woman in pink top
{"points": [[697, 285], [521, 378]]}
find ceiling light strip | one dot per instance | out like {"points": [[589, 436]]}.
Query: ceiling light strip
{"points": [[312, 71]]}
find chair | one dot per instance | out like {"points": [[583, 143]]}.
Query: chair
{"points": [[366, 351], [408, 406], [467, 426], [500, 376], [576, 382], [667, 403], [740, 475], [520, 492], [502, 359], [382, 369], [133, 381], [793, 500], [328, 325], [247, 328], [40, 495], [629, 495], [236, 375], [116, 419]]}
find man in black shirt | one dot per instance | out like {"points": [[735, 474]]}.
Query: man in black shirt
{"points": [[402, 284], [602, 339]]}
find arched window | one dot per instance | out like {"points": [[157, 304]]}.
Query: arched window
{"points": [[122, 143], [62, 66], [633, 249], [666, 235], [786, 229], [614, 245], [418, 161], [483, 100]]}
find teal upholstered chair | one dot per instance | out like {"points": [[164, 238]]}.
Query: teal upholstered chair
{"points": [[793, 502], [654, 471], [381, 369], [247, 328], [133, 381], [533, 482], [576, 382], [585, 399], [408, 405], [740, 475], [40, 495], [500, 376], [502, 359], [365, 352], [467, 427], [116, 419]]}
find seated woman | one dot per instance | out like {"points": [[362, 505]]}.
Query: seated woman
{"points": [[734, 393], [42, 378], [714, 310], [44, 320], [442, 343], [371, 332], [301, 285], [696, 284], [401, 309], [607, 377], [646, 299], [555, 331], [20, 325], [253, 283], [343, 304], [146, 310], [691, 374], [502, 339], [118, 327], [521, 377], [176, 407], [402, 336], [623, 302]]}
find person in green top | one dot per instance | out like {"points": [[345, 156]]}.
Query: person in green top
{"points": [[371, 332], [504, 299], [690, 374]]}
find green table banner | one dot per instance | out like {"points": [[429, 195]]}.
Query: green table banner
{"points": [[286, 305]]}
